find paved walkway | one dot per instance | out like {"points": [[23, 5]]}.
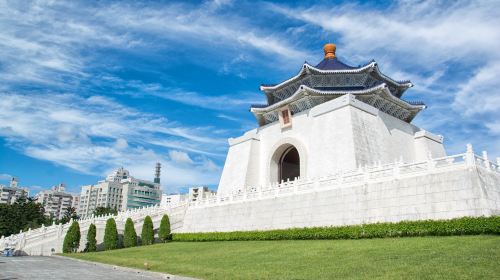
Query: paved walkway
{"points": [[63, 268]]}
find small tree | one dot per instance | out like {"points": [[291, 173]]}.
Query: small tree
{"points": [[164, 232], [147, 235], [91, 245], [129, 236], [69, 214], [99, 211], [110, 235], [72, 238]]}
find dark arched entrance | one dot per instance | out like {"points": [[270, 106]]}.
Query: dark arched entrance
{"points": [[289, 165]]}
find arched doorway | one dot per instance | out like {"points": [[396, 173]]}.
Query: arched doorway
{"points": [[289, 165]]}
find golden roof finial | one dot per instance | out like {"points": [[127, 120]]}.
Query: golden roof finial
{"points": [[329, 50]]}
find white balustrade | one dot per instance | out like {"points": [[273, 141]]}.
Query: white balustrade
{"points": [[363, 174]]}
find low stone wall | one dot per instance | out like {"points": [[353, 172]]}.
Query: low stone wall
{"points": [[441, 188], [451, 192], [46, 241]]}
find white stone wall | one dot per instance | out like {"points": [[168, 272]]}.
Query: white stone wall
{"points": [[46, 241], [341, 134], [438, 188], [450, 192]]}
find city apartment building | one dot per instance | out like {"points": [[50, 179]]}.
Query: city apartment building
{"points": [[120, 191], [194, 194], [173, 199], [9, 194], [56, 201], [201, 192]]}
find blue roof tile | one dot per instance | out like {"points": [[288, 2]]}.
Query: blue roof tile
{"points": [[333, 64]]}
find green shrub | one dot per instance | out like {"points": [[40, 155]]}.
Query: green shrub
{"points": [[164, 231], [111, 240], [129, 236], [459, 226], [72, 238], [147, 234], [91, 245]]}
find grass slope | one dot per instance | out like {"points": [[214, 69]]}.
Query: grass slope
{"points": [[457, 257]]}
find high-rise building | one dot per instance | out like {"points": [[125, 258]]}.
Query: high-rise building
{"points": [[56, 201], [173, 199], [120, 191], [9, 194], [199, 193]]}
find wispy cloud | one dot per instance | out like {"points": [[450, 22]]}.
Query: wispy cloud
{"points": [[94, 134], [60, 43], [449, 50], [235, 101], [5, 177]]}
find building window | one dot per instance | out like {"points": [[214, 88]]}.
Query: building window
{"points": [[285, 117]]}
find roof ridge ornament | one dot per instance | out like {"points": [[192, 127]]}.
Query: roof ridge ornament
{"points": [[329, 50]]}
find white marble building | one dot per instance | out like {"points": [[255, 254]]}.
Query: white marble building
{"points": [[335, 146], [327, 118]]}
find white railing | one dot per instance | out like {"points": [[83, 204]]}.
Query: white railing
{"points": [[361, 175], [46, 233]]}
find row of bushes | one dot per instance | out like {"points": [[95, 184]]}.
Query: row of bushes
{"points": [[460, 226], [111, 238]]}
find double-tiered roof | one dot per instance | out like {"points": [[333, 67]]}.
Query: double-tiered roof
{"points": [[330, 79]]}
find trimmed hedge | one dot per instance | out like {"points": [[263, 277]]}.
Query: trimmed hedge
{"points": [[164, 231], [72, 238], [129, 235], [460, 226], [147, 234], [111, 240], [91, 245]]}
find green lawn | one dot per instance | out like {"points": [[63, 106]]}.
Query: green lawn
{"points": [[457, 257]]}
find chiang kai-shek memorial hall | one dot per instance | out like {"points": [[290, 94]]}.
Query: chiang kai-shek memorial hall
{"points": [[327, 118]]}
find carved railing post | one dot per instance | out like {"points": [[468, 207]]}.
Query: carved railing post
{"points": [[431, 164], [396, 170], [367, 175], [469, 156], [486, 161]]}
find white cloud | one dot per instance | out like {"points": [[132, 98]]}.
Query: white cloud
{"points": [[96, 134], [228, 102], [5, 177], [180, 157], [121, 144], [58, 44], [481, 93], [426, 33], [448, 50], [197, 26]]}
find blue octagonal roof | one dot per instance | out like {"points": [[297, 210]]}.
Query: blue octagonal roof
{"points": [[333, 64]]}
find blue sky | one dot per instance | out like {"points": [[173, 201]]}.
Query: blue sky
{"points": [[88, 87]]}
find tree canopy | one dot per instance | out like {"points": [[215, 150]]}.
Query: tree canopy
{"points": [[147, 235], [129, 236], [91, 245], [72, 239], [164, 231], [25, 213], [99, 211], [111, 240]]}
